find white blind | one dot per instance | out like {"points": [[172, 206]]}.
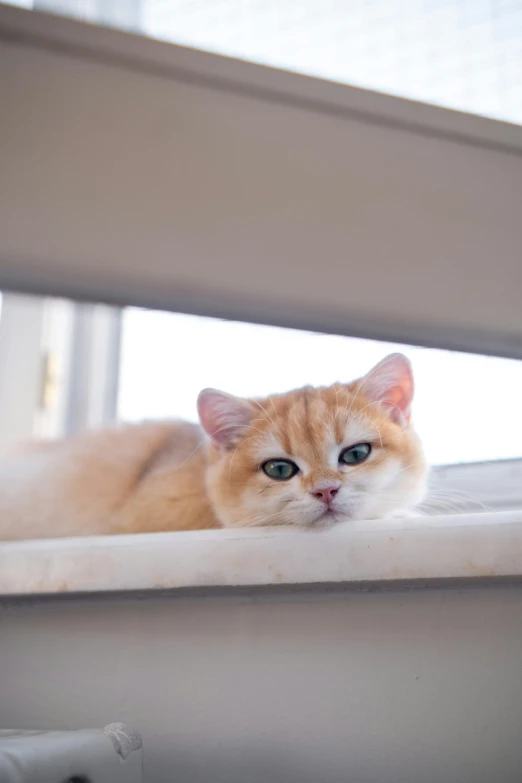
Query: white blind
{"points": [[138, 172]]}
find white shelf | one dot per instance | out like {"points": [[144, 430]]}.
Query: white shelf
{"points": [[414, 550]]}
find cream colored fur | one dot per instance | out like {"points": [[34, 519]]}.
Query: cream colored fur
{"points": [[180, 476]]}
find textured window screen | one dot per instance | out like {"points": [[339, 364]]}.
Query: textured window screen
{"points": [[462, 54]]}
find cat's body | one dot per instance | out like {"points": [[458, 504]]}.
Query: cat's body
{"points": [[129, 479], [310, 457]]}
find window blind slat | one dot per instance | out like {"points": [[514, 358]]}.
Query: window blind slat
{"points": [[137, 172]]}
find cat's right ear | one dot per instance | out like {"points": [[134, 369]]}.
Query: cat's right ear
{"points": [[223, 416]]}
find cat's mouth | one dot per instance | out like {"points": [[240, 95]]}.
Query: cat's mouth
{"points": [[331, 516]]}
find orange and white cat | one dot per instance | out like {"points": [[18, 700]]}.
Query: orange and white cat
{"points": [[308, 458]]}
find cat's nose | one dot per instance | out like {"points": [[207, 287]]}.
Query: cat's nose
{"points": [[326, 493]]}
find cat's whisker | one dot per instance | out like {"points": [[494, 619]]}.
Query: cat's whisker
{"points": [[377, 369], [337, 408], [456, 497], [408, 467], [249, 426], [451, 503], [234, 454], [270, 400], [458, 492], [463, 493], [373, 424], [203, 442], [378, 402], [187, 459], [260, 520], [256, 402], [367, 422], [444, 507]]}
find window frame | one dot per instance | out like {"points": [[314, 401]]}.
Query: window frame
{"points": [[59, 367]]}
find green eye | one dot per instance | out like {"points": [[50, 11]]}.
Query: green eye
{"points": [[355, 454], [280, 469]]}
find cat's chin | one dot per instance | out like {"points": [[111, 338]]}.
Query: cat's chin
{"points": [[329, 518]]}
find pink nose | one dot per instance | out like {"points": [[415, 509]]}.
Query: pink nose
{"points": [[326, 494]]}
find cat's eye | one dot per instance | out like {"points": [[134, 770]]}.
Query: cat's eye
{"points": [[280, 469], [355, 454]]}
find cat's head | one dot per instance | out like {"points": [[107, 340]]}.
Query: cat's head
{"points": [[315, 456]]}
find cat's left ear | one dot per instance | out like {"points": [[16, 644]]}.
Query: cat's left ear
{"points": [[390, 383], [223, 416]]}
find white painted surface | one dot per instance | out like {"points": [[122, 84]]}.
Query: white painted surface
{"points": [[21, 365], [414, 686], [466, 546], [168, 177]]}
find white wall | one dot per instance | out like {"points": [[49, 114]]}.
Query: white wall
{"points": [[419, 686]]}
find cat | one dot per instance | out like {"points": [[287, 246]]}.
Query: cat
{"points": [[308, 458]]}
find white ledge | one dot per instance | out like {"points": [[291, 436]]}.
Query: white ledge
{"points": [[416, 550]]}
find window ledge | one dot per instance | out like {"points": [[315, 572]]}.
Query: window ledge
{"points": [[414, 550]]}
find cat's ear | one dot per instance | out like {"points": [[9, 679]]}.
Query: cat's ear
{"points": [[223, 416], [390, 383]]}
